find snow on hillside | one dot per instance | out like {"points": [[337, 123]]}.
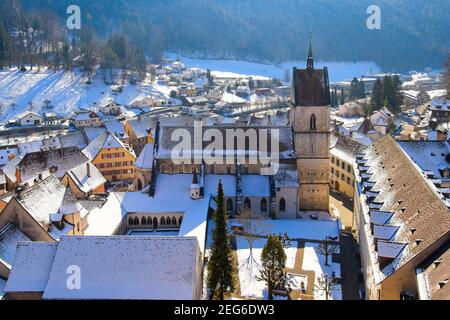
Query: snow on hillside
{"points": [[338, 71], [66, 94]]}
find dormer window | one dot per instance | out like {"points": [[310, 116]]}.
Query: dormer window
{"points": [[442, 283], [413, 230], [433, 154], [418, 241], [437, 262]]}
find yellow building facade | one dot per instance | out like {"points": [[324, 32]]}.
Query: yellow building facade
{"points": [[111, 157], [342, 176]]}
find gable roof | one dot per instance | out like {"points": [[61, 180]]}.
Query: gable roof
{"points": [[83, 181], [32, 164], [140, 127], [105, 140], [10, 235], [124, 267], [32, 265], [145, 159], [403, 190]]}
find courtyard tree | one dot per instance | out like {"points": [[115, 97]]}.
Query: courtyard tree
{"points": [[254, 228], [327, 248], [326, 284], [220, 268], [273, 262]]}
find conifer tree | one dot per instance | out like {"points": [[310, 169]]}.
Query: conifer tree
{"points": [[342, 101], [273, 260], [220, 268], [377, 95]]}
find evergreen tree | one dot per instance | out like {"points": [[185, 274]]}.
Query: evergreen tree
{"points": [[354, 89], [251, 84], [447, 75], [377, 95], [342, 99], [273, 261], [336, 97], [423, 97], [220, 268], [398, 96]]}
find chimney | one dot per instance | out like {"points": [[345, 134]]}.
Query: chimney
{"points": [[18, 178], [40, 176], [88, 170]]}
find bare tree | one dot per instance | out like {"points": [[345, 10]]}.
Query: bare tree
{"points": [[326, 284], [254, 228], [327, 248]]}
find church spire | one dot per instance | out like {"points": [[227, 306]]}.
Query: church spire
{"points": [[310, 60]]}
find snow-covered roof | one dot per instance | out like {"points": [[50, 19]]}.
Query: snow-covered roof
{"points": [[28, 113], [407, 199], [228, 184], [32, 266], [286, 177], [10, 235], [430, 156], [232, 98], [195, 222], [35, 163], [93, 133], [75, 139], [104, 141], [145, 159], [140, 127], [384, 232], [104, 219], [116, 128], [388, 249], [285, 143], [126, 267], [85, 182], [5, 155], [255, 186]]}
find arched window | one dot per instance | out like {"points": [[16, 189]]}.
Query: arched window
{"points": [[155, 223], [163, 221], [130, 221], [143, 221], [312, 122], [282, 205], [174, 221], [168, 221], [263, 205], [229, 206], [247, 204], [180, 220], [136, 221]]}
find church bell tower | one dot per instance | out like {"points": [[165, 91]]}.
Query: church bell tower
{"points": [[310, 121]]}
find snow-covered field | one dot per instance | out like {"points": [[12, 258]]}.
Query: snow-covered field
{"points": [[313, 261], [338, 71], [65, 93]]}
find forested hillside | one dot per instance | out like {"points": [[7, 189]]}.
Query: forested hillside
{"points": [[414, 34]]}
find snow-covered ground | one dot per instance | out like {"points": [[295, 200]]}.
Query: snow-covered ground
{"points": [[249, 269], [298, 229], [65, 93], [314, 261], [338, 71]]}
